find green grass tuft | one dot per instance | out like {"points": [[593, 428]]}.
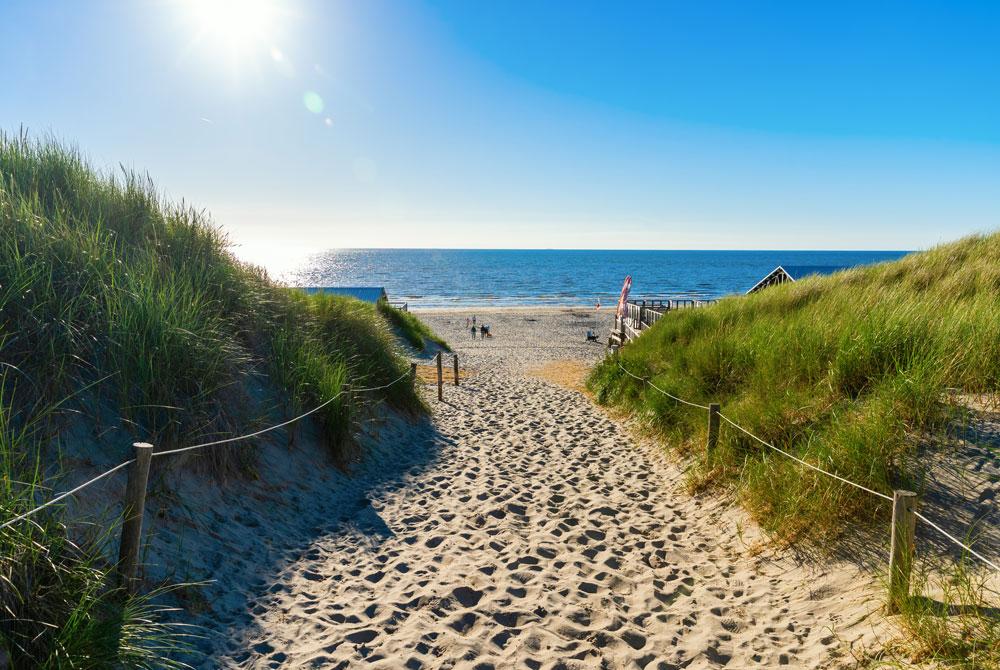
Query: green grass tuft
{"points": [[411, 328], [129, 316], [839, 370], [847, 372]]}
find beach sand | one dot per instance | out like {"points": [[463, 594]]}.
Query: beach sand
{"points": [[520, 527]]}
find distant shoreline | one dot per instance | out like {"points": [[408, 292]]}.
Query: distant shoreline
{"points": [[557, 279]]}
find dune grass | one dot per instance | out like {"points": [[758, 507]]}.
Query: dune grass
{"points": [[128, 315], [959, 627], [839, 370], [847, 372], [411, 328]]}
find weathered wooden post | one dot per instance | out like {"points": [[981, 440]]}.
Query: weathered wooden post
{"points": [[135, 506], [455, 360], [904, 523], [623, 340], [713, 430], [413, 372], [440, 378]]}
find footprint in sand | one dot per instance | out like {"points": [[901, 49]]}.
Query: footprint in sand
{"points": [[539, 536]]}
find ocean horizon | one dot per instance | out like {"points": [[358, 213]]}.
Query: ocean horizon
{"points": [[435, 278]]}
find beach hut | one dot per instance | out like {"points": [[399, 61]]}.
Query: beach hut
{"points": [[787, 273], [372, 294]]}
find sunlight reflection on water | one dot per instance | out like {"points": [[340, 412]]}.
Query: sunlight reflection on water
{"points": [[455, 277]]}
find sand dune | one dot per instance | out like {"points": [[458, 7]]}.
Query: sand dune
{"points": [[541, 536]]}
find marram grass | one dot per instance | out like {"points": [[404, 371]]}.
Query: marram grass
{"points": [[842, 371], [410, 328], [847, 372], [128, 316]]}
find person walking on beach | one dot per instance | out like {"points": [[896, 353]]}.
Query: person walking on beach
{"points": [[466, 322], [473, 320], [473, 331], [482, 332]]}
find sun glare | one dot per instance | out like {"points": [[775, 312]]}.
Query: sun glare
{"points": [[235, 25]]}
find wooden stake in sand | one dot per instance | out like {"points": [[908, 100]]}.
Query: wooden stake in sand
{"points": [[413, 372], [456, 369], [135, 505], [440, 378], [713, 429], [904, 523]]}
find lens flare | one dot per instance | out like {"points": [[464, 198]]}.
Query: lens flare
{"points": [[313, 102]]}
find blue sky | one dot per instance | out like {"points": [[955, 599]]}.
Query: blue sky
{"points": [[447, 123]]}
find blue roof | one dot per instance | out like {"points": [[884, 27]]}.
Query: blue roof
{"points": [[364, 293]]}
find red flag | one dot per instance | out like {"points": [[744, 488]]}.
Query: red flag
{"points": [[622, 300]]}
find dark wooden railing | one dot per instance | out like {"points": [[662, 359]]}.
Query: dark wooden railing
{"points": [[641, 314]]}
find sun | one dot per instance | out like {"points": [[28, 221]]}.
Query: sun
{"points": [[235, 26]]}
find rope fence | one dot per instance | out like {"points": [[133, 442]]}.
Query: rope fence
{"points": [[669, 395], [805, 463], [138, 475], [283, 423], [67, 494], [957, 541], [904, 514]]}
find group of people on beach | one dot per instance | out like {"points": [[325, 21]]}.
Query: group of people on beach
{"points": [[484, 328]]}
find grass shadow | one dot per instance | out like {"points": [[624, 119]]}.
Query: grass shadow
{"points": [[255, 548]]}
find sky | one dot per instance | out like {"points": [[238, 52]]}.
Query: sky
{"points": [[304, 124]]}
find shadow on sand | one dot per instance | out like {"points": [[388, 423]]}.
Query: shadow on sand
{"points": [[242, 586]]}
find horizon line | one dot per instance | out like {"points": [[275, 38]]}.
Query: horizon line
{"points": [[908, 251]]}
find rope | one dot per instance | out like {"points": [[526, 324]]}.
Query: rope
{"points": [[805, 463], [283, 423], [957, 541], [669, 395], [66, 494], [197, 446], [817, 469]]}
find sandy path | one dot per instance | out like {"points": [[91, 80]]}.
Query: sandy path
{"points": [[542, 537]]}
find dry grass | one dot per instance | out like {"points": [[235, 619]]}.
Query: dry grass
{"points": [[427, 374], [569, 374]]}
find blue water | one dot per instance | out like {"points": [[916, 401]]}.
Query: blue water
{"points": [[460, 277]]}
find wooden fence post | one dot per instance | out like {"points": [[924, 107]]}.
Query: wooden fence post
{"points": [[413, 372], [904, 522], [456, 368], [713, 429], [440, 378], [135, 506]]}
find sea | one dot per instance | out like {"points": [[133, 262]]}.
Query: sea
{"points": [[435, 278]]}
